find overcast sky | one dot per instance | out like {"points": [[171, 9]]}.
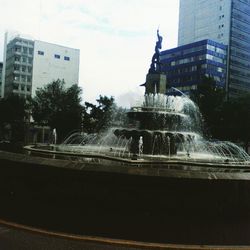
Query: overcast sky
{"points": [[116, 38]]}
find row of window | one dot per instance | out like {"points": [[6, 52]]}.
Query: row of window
{"points": [[236, 52], [244, 37], [194, 68], [240, 73], [242, 7], [23, 59], [239, 82], [240, 45], [198, 58], [245, 28], [22, 78], [19, 40], [194, 49], [66, 58], [240, 63], [192, 78], [23, 50], [23, 68], [21, 87], [240, 16]]}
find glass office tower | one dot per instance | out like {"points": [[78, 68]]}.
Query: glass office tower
{"points": [[185, 66], [226, 22]]}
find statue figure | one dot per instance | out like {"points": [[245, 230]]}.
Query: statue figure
{"points": [[155, 66]]}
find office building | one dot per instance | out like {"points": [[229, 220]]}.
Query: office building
{"points": [[53, 62], [30, 64], [226, 22], [186, 65]]}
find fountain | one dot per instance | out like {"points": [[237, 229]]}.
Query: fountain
{"points": [[152, 178], [163, 128]]}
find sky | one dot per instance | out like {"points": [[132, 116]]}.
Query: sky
{"points": [[116, 38]]}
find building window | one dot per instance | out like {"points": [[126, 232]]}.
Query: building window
{"points": [[30, 60], [23, 78], [25, 50], [15, 86], [16, 67], [41, 53], [30, 51], [24, 59], [57, 56], [66, 58], [18, 49], [23, 68], [16, 77]]}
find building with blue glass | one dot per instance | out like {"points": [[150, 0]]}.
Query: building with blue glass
{"points": [[223, 21], [186, 65]]}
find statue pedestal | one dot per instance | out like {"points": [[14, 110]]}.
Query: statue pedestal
{"points": [[155, 83]]}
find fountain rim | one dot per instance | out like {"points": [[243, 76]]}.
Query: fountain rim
{"points": [[142, 162], [152, 109]]}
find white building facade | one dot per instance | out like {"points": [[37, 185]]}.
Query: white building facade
{"points": [[224, 21], [52, 62], [30, 64]]}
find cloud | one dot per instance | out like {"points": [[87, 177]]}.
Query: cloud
{"points": [[116, 38]]}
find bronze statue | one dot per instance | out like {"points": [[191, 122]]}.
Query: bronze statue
{"points": [[155, 66]]}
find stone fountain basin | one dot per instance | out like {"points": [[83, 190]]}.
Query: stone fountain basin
{"points": [[154, 201]]}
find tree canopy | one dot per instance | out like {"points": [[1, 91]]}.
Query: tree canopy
{"points": [[224, 119], [98, 117], [13, 110], [210, 99], [58, 107], [235, 119]]}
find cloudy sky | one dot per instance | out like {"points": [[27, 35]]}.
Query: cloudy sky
{"points": [[116, 38]]}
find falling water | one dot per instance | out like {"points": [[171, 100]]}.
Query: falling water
{"points": [[164, 127]]}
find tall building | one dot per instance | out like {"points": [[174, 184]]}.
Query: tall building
{"points": [[30, 64], [224, 21], [186, 65]]}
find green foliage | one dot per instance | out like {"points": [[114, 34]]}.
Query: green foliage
{"points": [[98, 117], [58, 107], [225, 119], [13, 110], [210, 99], [236, 119]]}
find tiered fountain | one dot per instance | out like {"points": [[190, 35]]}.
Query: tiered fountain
{"points": [[162, 127], [156, 179]]}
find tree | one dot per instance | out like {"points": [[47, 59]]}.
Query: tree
{"points": [[58, 107], [13, 110], [210, 98], [236, 120], [98, 117]]}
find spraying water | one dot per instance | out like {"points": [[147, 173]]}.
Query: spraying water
{"points": [[162, 127]]}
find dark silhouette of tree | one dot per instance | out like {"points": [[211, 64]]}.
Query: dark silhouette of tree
{"points": [[13, 110], [58, 107], [210, 98], [236, 120], [98, 117]]}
